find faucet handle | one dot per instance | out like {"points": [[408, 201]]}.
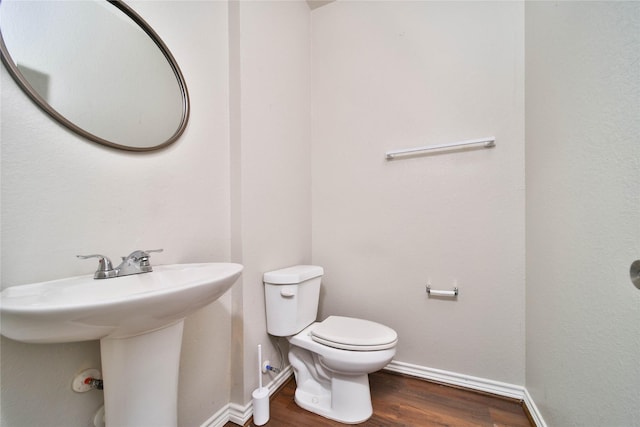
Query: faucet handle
{"points": [[148, 251], [138, 254], [105, 268], [144, 260]]}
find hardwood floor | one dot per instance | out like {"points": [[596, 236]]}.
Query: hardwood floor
{"points": [[403, 401]]}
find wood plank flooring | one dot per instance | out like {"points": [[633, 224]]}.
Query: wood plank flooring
{"points": [[404, 401]]}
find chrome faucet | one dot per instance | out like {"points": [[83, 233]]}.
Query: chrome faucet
{"points": [[135, 263]]}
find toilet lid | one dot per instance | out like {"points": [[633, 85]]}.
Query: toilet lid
{"points": [[347, 333]]}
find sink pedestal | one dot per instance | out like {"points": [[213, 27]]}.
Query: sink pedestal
{"points": [[140, 376]]}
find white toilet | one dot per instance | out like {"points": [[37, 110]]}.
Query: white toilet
{"points": [[331, 359]]}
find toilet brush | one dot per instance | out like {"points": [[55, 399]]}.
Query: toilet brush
{"points": [[260, 397]]}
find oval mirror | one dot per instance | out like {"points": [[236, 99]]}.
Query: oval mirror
{"points": [[98, 68]]}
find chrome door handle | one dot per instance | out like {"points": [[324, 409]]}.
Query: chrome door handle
{"points": [[634, 272]]}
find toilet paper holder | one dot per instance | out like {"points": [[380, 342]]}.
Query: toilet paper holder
{"points": [[440, 293]]}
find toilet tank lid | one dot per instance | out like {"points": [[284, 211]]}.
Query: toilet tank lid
{"points": [[292, 275]]}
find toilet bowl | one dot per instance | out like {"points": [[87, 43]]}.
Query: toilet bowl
{"points": [[331, 359], [334, 382]]}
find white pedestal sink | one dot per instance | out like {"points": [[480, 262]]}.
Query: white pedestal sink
{"points": [[138, 320]]}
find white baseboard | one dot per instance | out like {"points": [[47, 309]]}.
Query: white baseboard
{"points": [[460, 380], [533, 410], [240, 414], [219, 419], [474, 383]]}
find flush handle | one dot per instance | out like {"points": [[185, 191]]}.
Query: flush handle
{"points": [[288, 291]]}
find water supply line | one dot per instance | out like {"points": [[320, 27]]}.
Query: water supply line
{"points": [[276, 341], [272, 369]]}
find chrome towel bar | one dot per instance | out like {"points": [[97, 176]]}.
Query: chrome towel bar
{"points": [[436, 293], [489, 142]]}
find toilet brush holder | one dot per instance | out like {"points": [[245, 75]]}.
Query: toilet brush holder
{"points": [[260, 406]]}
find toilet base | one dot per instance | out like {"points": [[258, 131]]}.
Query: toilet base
{"points": [[348, 401], [331, 382]]}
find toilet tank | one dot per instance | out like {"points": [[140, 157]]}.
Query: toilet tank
{"points": [[291, 298]]}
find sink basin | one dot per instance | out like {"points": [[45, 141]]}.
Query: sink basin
{"points": [[82, 308]]}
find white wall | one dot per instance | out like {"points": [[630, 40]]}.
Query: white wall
{"points": [[583, 211], [271, 151], [389, 75], [239, 183], [63, 196]]}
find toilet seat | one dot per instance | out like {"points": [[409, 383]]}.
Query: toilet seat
{"points": [[348, 333]]}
